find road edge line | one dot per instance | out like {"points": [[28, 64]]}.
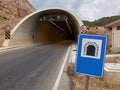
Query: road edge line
{"points": [[56, 85]]}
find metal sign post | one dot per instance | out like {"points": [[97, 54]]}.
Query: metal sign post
{"points": [[87, 83]]}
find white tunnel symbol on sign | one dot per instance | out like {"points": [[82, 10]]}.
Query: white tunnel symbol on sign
{"points": [[91, 48]]}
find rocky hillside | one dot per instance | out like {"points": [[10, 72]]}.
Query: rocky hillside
{"points": [[102, 21], [11, 12]]}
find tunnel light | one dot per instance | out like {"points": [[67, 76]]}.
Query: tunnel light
{"points": [[53, 17], [44, 18], [58, 17], [65, 17], [41, 19]]}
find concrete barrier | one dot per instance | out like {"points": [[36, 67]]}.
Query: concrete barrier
{"points": [[112, 73]]}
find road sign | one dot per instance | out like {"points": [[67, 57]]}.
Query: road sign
{"points": [[83, 27], [7, 28], [91, 55]]}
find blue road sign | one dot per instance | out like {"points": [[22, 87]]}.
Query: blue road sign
{"points": [[91, 55]]}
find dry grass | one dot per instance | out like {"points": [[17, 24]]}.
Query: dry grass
{"points": [[78, 82]]}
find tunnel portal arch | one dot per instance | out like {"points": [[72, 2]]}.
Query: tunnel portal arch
{"points": [[32, 30]]}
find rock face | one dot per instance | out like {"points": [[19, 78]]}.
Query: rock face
{"points": [[11, 12]]}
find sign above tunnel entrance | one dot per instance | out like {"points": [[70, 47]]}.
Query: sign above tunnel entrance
{"points": [[91, 55]]}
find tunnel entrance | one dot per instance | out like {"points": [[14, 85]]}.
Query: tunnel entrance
{"points": [[57, 26], [48, 25]]}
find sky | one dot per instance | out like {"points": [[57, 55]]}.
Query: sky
{"points": [[86, 9]]}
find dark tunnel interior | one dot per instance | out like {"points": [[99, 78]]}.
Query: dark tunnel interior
{"points": [[56, 25]]}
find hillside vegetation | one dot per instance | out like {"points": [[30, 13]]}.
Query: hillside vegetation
{"points": [[11, 12], [102, 21], [98, 27]]}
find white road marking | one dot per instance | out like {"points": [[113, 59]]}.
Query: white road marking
{"points": [[5, 43], [3, 49], [56, 85]]}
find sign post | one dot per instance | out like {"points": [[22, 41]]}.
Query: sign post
{"points": [[7, 32], [90, 56], [87, 82]]}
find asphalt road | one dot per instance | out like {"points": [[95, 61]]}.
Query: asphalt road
{"points": [[31, 68]]}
